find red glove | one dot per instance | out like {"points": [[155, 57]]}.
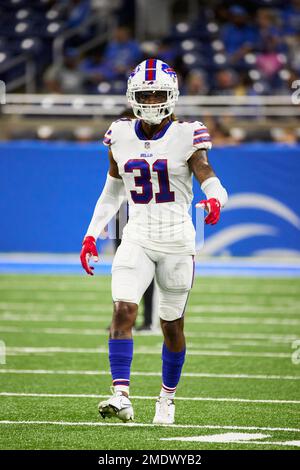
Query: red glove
{"points": [[88, 250], [213, 207]]}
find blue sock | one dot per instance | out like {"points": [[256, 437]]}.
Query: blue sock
{"points": [[120, 358], [172, 363]]}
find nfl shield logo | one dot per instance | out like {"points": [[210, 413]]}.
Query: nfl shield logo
{"points": [[147, 145]]}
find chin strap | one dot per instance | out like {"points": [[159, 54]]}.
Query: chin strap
{"points": [[152, 123], [156, 121]]}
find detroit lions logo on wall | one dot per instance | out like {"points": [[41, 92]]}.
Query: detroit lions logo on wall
{"points": [[242, 236]]}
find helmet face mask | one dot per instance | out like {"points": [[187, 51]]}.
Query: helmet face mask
{"points": [[156, 96], [152, 91]]}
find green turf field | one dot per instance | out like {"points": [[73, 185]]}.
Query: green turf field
{"points": [[239, 379]]}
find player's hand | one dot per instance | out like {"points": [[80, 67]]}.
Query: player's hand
{"points": [[213, 207], [88, 250]]}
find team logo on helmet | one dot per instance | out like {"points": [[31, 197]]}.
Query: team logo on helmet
{"points": [[168, 70], [135, 71]]}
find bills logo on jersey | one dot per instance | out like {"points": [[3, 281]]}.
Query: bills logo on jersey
{"points": [[146, 155]]}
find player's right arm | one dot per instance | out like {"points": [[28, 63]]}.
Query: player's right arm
{"points": [[107, 206]]}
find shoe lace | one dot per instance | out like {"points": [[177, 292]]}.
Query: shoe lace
{"points": [[114, 393], [164, 403]]}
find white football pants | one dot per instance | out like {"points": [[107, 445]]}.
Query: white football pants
{"points": [[133, 269]]}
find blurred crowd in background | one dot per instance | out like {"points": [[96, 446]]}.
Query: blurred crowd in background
{"points": [[217, 47], [246, 48], [231, 50]]}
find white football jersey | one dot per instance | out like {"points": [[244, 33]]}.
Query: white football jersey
{"points": [[158, 181]]}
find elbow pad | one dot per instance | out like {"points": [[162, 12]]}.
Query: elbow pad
{"points": [[107, 206], [213, 188]]}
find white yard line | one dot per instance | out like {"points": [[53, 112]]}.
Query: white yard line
{"points": [[150, 374], [242, 320], [96, 297], [234, 308], [107, 307], [232, 438], [236, 299], [40, 296], [274, 443], [7, 316], [58, 318], [98, 332], [226, 289], [138, 397], [147, 425], [57, 307], [36, 286], [202, 285], [217, 344], [142, 350]]}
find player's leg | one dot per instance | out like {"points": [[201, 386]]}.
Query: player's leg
{"points": [[148, 308], [174, 277], [132, 272]]}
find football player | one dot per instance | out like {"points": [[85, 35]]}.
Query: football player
{"points": [[152, 161]]}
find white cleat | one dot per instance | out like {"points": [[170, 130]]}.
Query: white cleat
{"points": [[118, 405], [164, 411]]}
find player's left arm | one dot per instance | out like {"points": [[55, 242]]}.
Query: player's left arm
{"points": [[216, 194]]}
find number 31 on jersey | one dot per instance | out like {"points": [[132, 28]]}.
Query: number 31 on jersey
{"points": [[143, 181]]}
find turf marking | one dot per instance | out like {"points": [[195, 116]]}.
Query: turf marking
{"points": [[150, 374], [10, 351], [137, 397], [224, 438], [98, 332], [107, 307], [8, 316], [149, 425], [236, 438], [203, 287]]}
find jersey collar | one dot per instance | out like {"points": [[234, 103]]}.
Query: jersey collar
{"points": [[141, 135]]}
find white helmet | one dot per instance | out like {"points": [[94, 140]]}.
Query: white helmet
{"points": [[152, 75]]}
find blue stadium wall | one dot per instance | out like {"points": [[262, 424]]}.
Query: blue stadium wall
{"points": [[48, 192]]}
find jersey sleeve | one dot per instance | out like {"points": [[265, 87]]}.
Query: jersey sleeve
{"points": [[116, 131], [198, 138], [109, 136], [201, 137]]}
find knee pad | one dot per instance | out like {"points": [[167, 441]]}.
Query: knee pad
{"points": [[175, 274], [172, 305]]}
